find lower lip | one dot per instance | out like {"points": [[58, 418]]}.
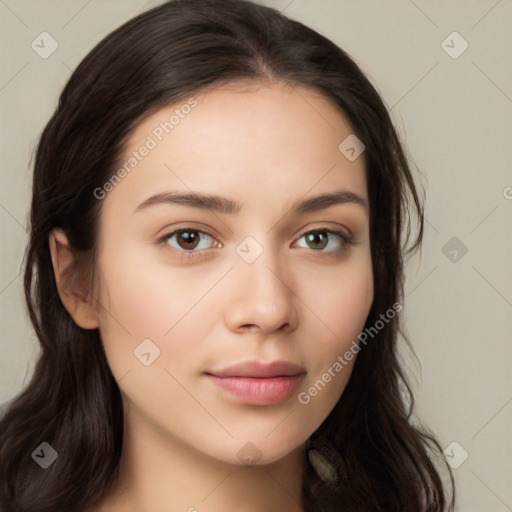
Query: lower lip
{"points": [[259, 391]]}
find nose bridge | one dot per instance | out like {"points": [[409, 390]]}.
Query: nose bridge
{"points": [[265, 295]]}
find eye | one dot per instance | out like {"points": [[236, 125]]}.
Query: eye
{"points": [[320, 238], [186, 240]]}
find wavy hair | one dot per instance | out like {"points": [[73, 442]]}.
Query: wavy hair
{"points": [[72, 401]]}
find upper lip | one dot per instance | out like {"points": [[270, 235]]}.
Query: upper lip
{"points": [[258, 369]]}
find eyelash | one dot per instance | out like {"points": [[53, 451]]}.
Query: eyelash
{"points": [[189, 255]]}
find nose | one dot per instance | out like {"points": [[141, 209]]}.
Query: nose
{"points": [[263, 297]]}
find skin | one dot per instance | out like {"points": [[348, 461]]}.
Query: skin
{"points": [[264, 146]]}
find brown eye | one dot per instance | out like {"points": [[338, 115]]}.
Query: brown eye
{"points": [[188, 242], [187, 239]]}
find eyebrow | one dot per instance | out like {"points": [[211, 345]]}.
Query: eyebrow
{"points": [[231, 207]]}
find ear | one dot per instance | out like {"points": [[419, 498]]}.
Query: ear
{"points": [[72, 287]]}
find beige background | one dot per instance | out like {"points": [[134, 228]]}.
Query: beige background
{"points": [[455, 115]]}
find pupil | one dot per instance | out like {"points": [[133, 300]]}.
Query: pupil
{"points": [[189, 237], [314, 236]]}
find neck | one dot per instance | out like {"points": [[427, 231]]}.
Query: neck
{"points": [[159, 473]]}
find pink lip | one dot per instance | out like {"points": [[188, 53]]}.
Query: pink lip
{"points": [[259, 383]]}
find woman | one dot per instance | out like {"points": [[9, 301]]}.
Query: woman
{"points": [[215, 274]]}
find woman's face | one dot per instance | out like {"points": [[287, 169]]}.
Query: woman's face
{"points": [[245, 281]]}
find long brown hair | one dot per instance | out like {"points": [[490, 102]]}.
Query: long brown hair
{"points": [[73, 402]]}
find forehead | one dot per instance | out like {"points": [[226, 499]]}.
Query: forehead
{"points": [[255, 108], [253, 140]]}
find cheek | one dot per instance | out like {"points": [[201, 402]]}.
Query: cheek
{"points": [[343, 300], [150, 301], [341, 305]]}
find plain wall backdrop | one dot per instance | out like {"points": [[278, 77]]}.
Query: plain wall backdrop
{"points": [[444, 70]]}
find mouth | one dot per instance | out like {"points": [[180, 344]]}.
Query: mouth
{"points": [[259, 383]]}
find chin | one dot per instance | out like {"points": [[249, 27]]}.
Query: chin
{"points": [[258, 451]]}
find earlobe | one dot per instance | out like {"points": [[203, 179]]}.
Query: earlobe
{"points": [[72, 288]]}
